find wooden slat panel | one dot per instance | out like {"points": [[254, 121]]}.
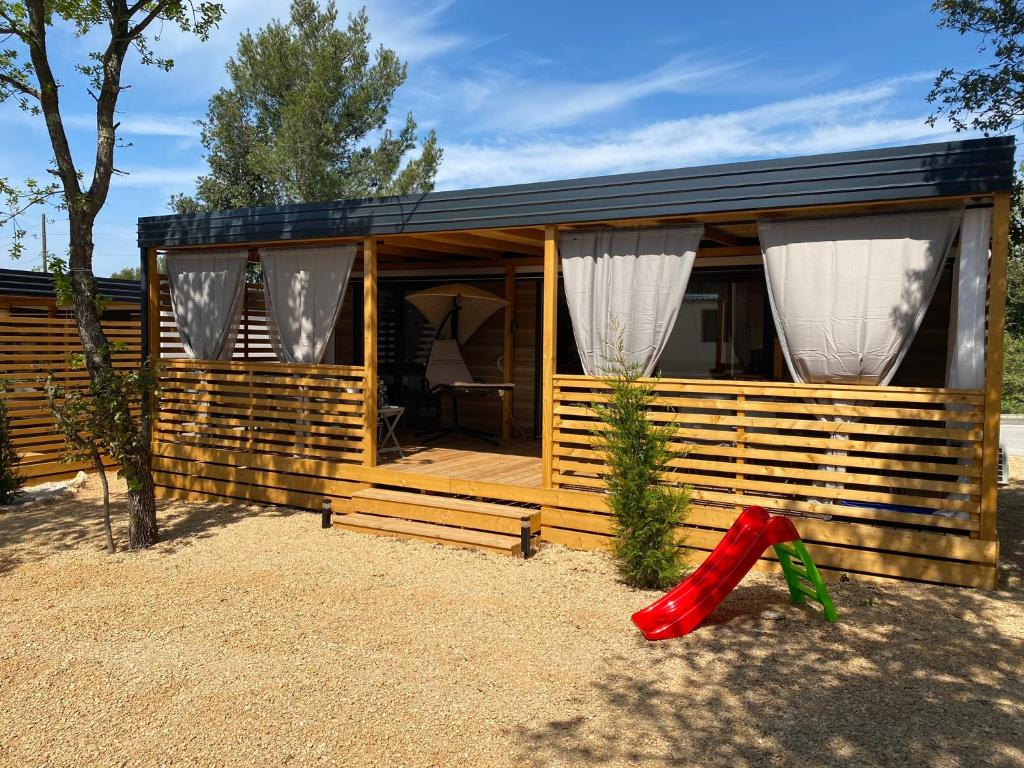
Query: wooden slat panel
{"points": [[31, 348], [888, 480], [246, 412]]}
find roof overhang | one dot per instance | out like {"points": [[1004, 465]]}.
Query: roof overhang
{"points": [[974, 167]]}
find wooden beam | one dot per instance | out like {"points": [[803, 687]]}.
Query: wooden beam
{"points": [[728, 251], [508, 366], [152, 289], [419, 243], [752, 215], [716, 235], [548, 356], [477, 241], [532, 237], [994, 364], [448, 265], [370, 352]]}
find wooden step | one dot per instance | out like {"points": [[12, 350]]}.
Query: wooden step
{"points": [[439, 534], [444, 510]]}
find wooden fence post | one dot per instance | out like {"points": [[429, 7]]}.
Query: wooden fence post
{"points": [[370, 352], [508, 367], [151, 323], [994, 365], [548, 356]]}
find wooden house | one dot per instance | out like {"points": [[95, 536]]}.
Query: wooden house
{"points": [[827, 329]]}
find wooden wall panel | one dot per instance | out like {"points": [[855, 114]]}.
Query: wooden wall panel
{"points": [[884, 480], [35, 343]]}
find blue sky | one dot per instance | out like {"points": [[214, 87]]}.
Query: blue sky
{"points": [[527, 91]]}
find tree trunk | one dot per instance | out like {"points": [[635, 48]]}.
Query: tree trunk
{"points": [[142, 527], [142, 530], [107, 529]]}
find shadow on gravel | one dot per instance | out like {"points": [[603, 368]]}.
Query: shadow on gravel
{"points": [[912, 675], [33, 533]]}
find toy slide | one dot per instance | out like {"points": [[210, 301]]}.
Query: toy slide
{"points": [[685, 607]]}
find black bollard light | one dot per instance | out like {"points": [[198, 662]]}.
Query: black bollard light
{"points": [[325, 514]]}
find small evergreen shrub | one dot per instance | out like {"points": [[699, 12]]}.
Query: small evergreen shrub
{"points": [[647, 512], [10, 481]]}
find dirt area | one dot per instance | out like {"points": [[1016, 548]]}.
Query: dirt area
{"points": [[252, 637]]}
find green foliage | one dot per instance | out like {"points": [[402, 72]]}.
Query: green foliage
{"points": [[102, 415], [304, 119], [28, 77], [1013, 373], [10, 480], [127, 273], [647, 512], [989, 98], [1013, 345], [63, 290]]}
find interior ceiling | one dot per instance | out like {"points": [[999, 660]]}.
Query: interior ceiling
{"points": [[525, 245]]}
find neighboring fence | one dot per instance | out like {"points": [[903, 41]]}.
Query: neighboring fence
{"points": [[31, 346], [257, 431], [888, 478], [252, 341]]}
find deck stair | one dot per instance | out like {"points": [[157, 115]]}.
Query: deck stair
{"points": [[442, 519]]}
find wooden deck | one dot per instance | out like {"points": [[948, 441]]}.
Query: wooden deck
{"points": [[515, 462]]}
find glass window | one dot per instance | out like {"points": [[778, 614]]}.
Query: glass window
{"points": [[724, 328]]}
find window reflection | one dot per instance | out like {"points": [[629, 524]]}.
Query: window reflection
{"points": [[723, 330]]}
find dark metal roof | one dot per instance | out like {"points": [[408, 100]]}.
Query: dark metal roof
{"points": [[17, 282], [973, 167]]}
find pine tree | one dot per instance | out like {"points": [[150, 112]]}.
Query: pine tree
{"points": [[305, 119], [647, 512]]}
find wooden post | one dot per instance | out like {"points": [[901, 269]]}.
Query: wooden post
{"points": [[509, 366], [152, 289], [994, 365], [741, 444], [548, 357], [151, 322], [370, 352]]}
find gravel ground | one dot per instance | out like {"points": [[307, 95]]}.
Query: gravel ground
{"points": [[249, 636]]}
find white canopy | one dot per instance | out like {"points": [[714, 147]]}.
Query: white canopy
{"points": [[475, 305]]}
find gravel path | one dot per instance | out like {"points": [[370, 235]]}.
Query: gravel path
{"points": [[251, 637]]}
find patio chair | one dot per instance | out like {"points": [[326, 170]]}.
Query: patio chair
{"points": [[447, 374]]}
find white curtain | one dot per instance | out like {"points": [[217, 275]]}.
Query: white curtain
{"points": [[626, 285], [207, 293], [966, 357], [849, 294], [965, 360], [304, 288]]}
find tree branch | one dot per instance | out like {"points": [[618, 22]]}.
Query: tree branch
{"points": [[148, 19], [50, 102], [19, 86]]}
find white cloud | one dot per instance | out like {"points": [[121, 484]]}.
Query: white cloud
{"points": [[825, 122], [141, 124], [158, 178], [413, 29], [511, 104]]}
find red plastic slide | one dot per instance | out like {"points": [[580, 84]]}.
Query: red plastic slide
{"points": [[681, 610]]}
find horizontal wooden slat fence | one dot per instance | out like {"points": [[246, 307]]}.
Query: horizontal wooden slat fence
{"points": [[31, 347], [249, 430], [888, 479], [252, 341]]}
